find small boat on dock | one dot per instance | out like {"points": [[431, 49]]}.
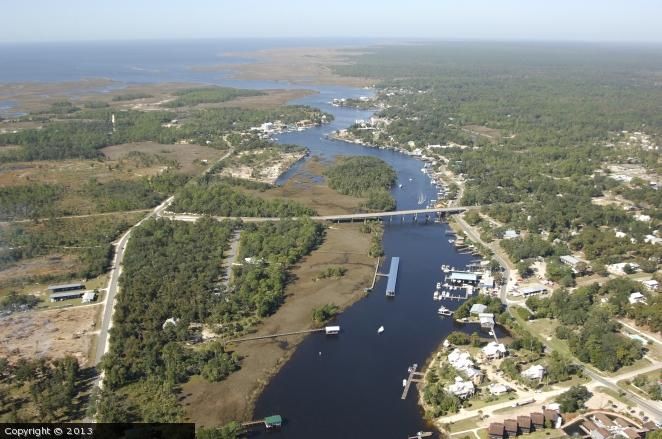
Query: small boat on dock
{"points": [[421, 434], [435, 296], [443, 311], [438, 285]]}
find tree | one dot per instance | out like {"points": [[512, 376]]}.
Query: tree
{"points": [[573, 399]]}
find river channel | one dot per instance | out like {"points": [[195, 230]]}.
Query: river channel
{"points": [[350, 386]]}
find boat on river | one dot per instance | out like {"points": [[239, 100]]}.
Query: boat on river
{"points": [[443, 311], [380, 330]]}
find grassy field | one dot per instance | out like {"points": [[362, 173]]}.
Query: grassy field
{"points": [[464, 424]]}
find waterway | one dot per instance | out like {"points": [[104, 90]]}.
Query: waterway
{"points": [[333, 387], [349, 386]]}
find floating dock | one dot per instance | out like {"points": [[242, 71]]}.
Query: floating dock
{"points": [[392, 276]]}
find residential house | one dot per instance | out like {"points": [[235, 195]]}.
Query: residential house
{"points": [[535, 372], [496, 430], [552, 417], [486, 320], [494, 350], [602, 420], [497, 389], [475, 375], [619, 269], [651, 285], [637, 298], [533, 290], [538, 420], [477, 308], [510, 425], [510, 234], [462, 389], [524, 423]]}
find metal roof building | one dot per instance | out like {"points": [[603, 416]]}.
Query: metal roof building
{"points": [[66, 295], [463, 276], [65, 287]]}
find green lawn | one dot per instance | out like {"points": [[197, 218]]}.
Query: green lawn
{"points": [[464, 424], [480, 403]]}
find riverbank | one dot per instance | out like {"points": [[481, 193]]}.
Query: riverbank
{"points": [[234, 398]]}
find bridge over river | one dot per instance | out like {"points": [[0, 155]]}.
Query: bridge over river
{"points": [[337, 218]]}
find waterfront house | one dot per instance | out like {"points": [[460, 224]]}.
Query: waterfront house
{"points": [[496, 430], [477, 308], [524, 423], [510, 425], [475, 375], [494, 350], [462, 389], [486, 320], [535, 372]]}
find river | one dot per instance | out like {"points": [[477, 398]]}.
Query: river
{"points": [[349, 386]]}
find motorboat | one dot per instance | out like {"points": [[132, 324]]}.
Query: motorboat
{"points": [[443, 311], [380, 330]]}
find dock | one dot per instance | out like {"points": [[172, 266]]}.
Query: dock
{"points": [[414, 377], [374, 277], [270, 422], [421, 434], [392, 276], [329, 330]]}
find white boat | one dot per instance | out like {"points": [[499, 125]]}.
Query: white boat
{"points": [[380, 330], [435, 296], [438, 285], [400, 186], [443, 311], [404, 383], [411, 179]]}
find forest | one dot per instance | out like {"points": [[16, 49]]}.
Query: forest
{"points": [[364, 176], [171, 279], [589, 328], [42, 390], [217, 197], [208, 95], [81, 133], [536, 127]]}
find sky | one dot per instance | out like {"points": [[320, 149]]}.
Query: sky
{"points": [[547, 20]]}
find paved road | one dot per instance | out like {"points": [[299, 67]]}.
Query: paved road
{"points": [[346, 217], [109, 302]]}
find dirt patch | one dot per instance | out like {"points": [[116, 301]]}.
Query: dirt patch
{"points": [[53, 265], [297, 65], [51, 333], [264, 165], [307, 187], [483, 131], [190, 158], [217, 403]]}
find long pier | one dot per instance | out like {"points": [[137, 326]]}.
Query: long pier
{"points": [[339, 218], [414, 377], [281, 334]]}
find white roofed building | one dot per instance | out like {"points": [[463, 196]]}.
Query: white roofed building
{"points": [[535, 372], [462, 389], [636, 298], [494, 350]]}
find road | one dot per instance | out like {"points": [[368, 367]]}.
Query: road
{"points": [[345, 217], [471, 233]]}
